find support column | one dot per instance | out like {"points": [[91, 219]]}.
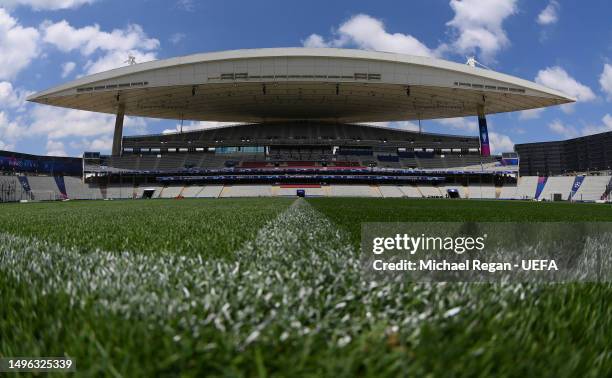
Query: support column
{"points": [[118, 136], [485, 149]]}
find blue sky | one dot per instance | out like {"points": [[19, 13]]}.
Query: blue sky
{"points": [[564, 44]]}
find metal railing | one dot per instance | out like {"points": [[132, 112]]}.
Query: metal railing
{"points": [[13, 192]]}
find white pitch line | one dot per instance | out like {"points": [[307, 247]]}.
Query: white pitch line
{"points": [[268, 282], [299, 276]]}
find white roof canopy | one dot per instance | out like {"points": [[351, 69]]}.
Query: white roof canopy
{"points": [[336, 85]]}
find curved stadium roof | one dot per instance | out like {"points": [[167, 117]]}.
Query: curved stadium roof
{"points": [[278, 84]]}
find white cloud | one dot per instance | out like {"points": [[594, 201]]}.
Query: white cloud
{"points": [[57, 123], [564, 130], [90, 38], [557, 78], [500, 143], [176, 38], [60, 125], [102, 144], [531, 114], [366, 32], [9, 132], [186, 5], [568, 131], [315, 40], [18, 46], [117, 59], [55, 148], [105, 50], [404, 125], [198, 125], [459, 123], [596, 129], [400, 125], [6, 146], [605, 80], [115, 46], [519, 130], [478, 26], [550, 14], [67, 69], [45, 4], [12, 98]]}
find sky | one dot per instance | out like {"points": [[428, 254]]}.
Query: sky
{"points": [[562, 44]]}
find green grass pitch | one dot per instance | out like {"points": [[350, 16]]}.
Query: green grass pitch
{"points": [[273, 287]]}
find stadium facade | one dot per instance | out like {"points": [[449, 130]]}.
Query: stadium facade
{"points": [[300, 119], [592, 153]]}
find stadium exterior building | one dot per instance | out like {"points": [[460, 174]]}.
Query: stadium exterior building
{"points": [[300, 118], [590, 153]]}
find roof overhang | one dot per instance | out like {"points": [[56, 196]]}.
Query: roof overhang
{"points": [[279, 84]]}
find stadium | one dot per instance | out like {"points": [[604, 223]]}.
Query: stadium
{"points": [[208, 261], [299, 120]]}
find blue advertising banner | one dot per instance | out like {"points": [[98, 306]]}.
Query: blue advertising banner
{"points": [[577, 184]]}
